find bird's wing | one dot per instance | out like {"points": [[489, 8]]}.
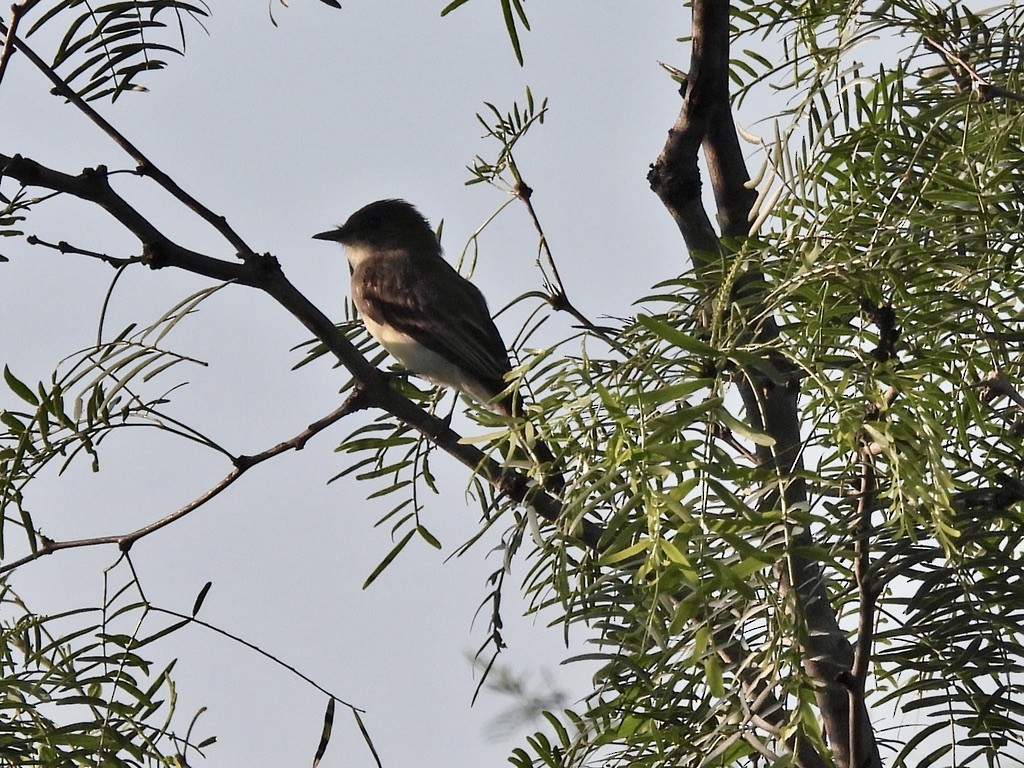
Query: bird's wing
{"points": [[441, 310]]}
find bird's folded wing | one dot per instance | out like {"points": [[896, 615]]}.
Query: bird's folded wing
{"points": [[446, 314]]}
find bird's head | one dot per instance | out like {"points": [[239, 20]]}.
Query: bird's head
{"points": [[384, 225]]}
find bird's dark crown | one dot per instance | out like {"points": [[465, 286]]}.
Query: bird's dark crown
{"points": [[384, 224]]}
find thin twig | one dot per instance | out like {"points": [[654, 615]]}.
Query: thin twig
{"points": [[65, 247], [558, 297], [252, 647], [124, 541], [986, 88], [17, 11], [867, 594], [145, 166]]}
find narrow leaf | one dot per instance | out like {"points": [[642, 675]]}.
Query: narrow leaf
{"points": [[201, 597], [19, 388], [325, 735], [388, 558]]}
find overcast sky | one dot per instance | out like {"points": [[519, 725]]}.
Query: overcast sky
{"points": [[286, 131]]}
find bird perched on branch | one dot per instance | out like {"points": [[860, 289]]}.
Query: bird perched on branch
{"points": [[421, 310]]}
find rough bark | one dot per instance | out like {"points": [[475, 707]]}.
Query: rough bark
{"points": [[769, 392]]}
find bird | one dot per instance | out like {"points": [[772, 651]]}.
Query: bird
{"points": [[431, 319]]}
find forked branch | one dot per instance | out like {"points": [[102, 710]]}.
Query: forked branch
{"points": [[770, 401]]}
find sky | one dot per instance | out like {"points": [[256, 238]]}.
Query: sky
{"points": [[286, 130]]}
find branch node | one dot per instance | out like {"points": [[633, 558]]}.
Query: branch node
{"points": [[559, 301], [243, 462], [847, 679], [97, 175], [360, 399], [153, 256], [266, 263]]}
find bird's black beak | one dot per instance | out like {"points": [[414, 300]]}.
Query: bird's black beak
{"points": [[337, 235]]}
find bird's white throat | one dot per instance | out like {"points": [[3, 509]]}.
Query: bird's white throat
{"points": [[358, 254]]}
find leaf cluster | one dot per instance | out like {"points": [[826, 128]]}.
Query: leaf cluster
{"points": [[96, 392], [105, 48], [76, 688]]}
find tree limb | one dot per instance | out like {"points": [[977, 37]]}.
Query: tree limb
{"points": [[770, 399], [145, 166], [264, 273], [867, 594], [242, 463]]}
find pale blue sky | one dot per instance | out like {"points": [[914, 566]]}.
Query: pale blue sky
{"points": [[286, 131]]}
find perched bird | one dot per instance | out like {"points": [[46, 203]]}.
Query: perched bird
{"points": [[428, 316]]}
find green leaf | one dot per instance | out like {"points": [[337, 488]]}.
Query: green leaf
{"points": [[612, 557], [452, 6], [198, 603], [676, 337], [325, 733], [388, 558], [366, 737], [713, 675], [743, 430], [428, 537], [20, 388]]}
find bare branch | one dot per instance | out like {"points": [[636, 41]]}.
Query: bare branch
{"points": [[124, 541], [93, 186], [17, 11], [558, 297], [65, 247], [253, 647], [145, 166]]}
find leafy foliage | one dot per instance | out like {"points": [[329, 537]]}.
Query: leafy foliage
{"points": [[887, 241], [890, 239], [76, 688], [92, 397], [11, 216], [891, 249], [106, 48]]}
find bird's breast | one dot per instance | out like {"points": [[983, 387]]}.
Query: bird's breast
{"points": [[424, 362]]}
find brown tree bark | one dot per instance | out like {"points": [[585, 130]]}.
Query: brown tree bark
{"points": [[769, 392]]}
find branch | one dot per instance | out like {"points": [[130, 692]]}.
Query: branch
{"points": [[92, 185], [145, 166], [770, 399], [264, 273], [17, 11], [995, 384], [957, 67], [65, 247], [558, 297], [124, 541], [191, 619], [769, 712], [866, 606]]}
